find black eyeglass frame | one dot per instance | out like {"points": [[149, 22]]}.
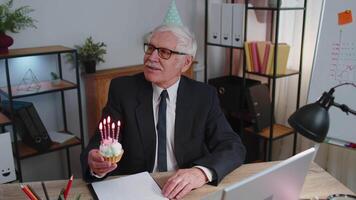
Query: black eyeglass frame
{"points": [[159, 50]]}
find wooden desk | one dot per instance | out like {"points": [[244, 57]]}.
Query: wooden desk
{"points": [[13, 191], [318, 183]]}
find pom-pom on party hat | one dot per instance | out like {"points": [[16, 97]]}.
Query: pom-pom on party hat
{"points": [[172, 16]]}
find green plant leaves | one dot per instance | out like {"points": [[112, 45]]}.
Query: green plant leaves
{"points": [[15, 20], [91, 50]]}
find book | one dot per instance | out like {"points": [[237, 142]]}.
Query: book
{"points": [[282, 59], [255, 60], [60, 137], [263, 53]]}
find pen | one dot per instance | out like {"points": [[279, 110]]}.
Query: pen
{"points": [[69, 185], [28, 193], [351, 145], [45, 190], [33, 192]]}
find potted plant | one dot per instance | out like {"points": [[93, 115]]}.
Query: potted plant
{"points": [[55, 79], [13, 20], [90, 54]]}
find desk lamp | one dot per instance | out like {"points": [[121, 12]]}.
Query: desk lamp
{"points": [[312, 120]]}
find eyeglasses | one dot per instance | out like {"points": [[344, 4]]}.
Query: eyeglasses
{"points": [[162, 52]]}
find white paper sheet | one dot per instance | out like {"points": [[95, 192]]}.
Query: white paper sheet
{"points": [[138, 186], [59, 137]]}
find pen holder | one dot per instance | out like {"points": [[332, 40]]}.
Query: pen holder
{"points": [[61, 196]]}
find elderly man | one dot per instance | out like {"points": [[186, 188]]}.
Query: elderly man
{"points": [[169, 122]]}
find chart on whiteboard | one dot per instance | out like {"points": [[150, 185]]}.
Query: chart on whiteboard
{"points": [[343, 60]]}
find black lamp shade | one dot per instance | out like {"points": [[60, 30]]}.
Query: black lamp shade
{"points": [[312, 121]]}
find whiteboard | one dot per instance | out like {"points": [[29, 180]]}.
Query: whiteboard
{"points": [[335, 63]]}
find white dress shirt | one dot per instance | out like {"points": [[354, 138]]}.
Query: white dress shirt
{"points": [[170, 124]]}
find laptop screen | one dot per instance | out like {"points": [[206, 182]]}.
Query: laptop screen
{"points": [[283, 181]]}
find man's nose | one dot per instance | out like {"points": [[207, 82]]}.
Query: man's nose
{"points": [[154, 55]]}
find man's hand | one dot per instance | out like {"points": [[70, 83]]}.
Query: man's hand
{"points": [[97, 163], [182, 182]]}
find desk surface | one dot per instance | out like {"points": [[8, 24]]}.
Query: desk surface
{"points": [[318, 183]]}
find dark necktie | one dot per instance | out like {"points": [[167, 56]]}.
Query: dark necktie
{"points": [[161, 129]]}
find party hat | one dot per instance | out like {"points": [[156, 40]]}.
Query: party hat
{"points": [[172, 16]]}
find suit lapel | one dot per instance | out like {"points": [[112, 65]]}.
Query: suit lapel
{"points": [[183, 121], [145, 121]]}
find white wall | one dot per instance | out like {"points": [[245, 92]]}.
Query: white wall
{"points": [[120, 24]]}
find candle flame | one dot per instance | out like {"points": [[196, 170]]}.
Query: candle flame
{"points": [[113, 125], [100, 126], [104, 121], [118, 123], [109, 119]]}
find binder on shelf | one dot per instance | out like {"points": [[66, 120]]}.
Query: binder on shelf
{"points": [[255, 60], [41, 129], [226, 24], [29, 125], [259, 105], [248, 57], [263, 53], [214, 23], [230, 90], [238, 24], [282, 59]]}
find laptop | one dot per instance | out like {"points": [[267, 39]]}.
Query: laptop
{"points": [[283, 181]]}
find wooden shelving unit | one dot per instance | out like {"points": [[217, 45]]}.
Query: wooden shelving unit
{"points": [[289, 72], [274, 131], [45, 87], [11, 92], [25, 151], [4, 120], [279, 131], [36, 51]]}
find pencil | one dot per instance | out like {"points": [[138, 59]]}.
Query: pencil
{"points": [[28, 193], [33, 192], [69, 185]]}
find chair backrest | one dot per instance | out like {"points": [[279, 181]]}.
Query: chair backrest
{"points": [[97, 88]]}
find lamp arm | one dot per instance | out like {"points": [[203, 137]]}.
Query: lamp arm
{"points": [[344, 108], [331, 101]]}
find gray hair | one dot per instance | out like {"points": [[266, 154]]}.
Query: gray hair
{"points": [[186, 41]]}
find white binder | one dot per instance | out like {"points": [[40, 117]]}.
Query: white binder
{"points": [[238, 25], [226, 24], [214, 23]]}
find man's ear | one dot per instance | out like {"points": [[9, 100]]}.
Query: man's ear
{"points": [[187, 63]]}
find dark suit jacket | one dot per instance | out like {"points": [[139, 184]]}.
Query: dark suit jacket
{"points": [[202, 134]]}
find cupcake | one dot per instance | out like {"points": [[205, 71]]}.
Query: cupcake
{"points": [[110, 148]]}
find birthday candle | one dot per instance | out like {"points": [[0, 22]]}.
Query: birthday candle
{"points": [[101, 130], [109, 130], [118, 129], [112, 129], [105, 132]]}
